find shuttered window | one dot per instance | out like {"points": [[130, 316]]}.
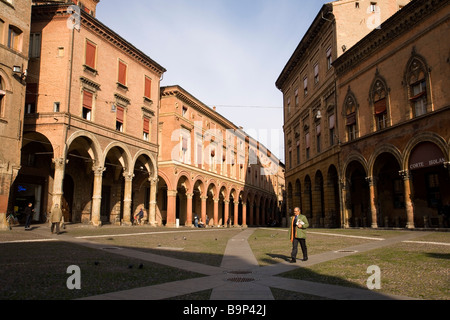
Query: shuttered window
{"points": [[91, 50], [122, 73], [148, 88]]}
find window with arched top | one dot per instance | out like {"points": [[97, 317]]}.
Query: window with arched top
{"points": [[2, 96], [379, 99], [350, 108], [416, 78]]}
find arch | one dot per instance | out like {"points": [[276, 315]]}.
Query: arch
{"points": [[424, 137], [418, 84], [384, 148], [379, 102], [354, 157], [152, 169], [94, 151], [124, 159]]}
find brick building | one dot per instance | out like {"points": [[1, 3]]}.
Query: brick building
{"points": [[90, 131], [351, 123], [14, 42], [394, 111], [211, 168]]}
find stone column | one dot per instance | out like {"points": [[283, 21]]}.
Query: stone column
{"points": [[236, 213], [226, 212], [189, 197], [58, 180], [373, 204], [216, 212], [405, 174], [152, 204], [171, 208], [203, 199], [97, 196], [244, 213], [346, 214], [127, 198]]}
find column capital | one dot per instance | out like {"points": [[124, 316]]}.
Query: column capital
{"points": [[128, 176], [405, 174], [153, 180], [98, 171], [189, 195], [204, 198], [60, 161], [172, 193]]}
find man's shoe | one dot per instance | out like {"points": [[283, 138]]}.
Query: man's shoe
{"points": [[293, 261], [305, 259]]}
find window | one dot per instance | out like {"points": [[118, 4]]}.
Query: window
{"points": [[2, 25], [146, 129], [148, 88], [56, 106], [350, 108], [290, 158], [331, 127], [305, 86], [318, 138], [289, 105], [119, 118], [122, 77], [298, 152], [35, 45], [31, 98], [185, 149], [417, 87], [87, 105], [212, 160], [2, 96], [184, 112], [15, 38], [373, 7], [199, 155], [316, 73], [419, 98], [91, 52], [379, 99], [296, 97], [308, 144], [329, 58]]}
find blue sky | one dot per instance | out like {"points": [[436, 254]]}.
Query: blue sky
{"points": [[227, 53]]}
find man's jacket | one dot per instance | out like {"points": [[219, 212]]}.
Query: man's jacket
{"points": [[299, 230]]}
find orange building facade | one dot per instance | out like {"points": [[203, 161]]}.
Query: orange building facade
{"points": [[366, 139], [90, 129], [210, 168], [15, 19]]}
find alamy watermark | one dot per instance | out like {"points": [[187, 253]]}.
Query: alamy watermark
{"points": [[232, 147], [74, 281], [374, 281]]}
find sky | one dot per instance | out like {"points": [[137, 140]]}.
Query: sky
{"points": [[226, 53]]}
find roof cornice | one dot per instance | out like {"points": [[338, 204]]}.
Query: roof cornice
{"points": [[48, 11], [310, 36], [399, 24]]}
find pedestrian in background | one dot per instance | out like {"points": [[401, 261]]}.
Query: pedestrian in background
{"points": [[28, 215], [55, 218], [297, 234]]}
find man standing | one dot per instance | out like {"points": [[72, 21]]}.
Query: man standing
{"points": [[55, 218], [297, 233], [28, 215]]}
